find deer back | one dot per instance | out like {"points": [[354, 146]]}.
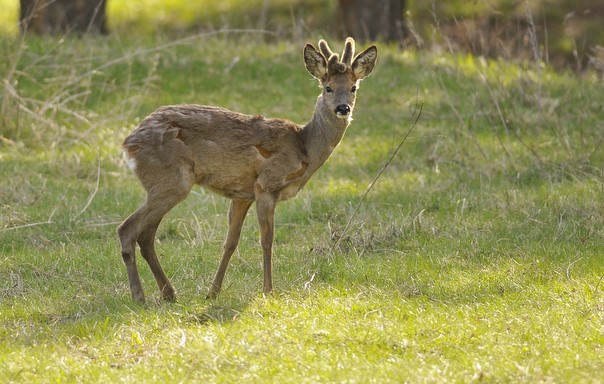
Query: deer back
{"points": [[230, 153]]}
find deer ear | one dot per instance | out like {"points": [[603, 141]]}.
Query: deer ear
{"points": [[363, 63], [315, 62]]}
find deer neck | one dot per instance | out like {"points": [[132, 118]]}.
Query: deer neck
{"points": [[322, 134]]}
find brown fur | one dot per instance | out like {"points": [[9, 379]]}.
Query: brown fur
{"points": [[244, 158]]}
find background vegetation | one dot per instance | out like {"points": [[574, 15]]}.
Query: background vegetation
{"points": [[477, 256]]}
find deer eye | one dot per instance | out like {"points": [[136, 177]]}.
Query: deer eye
{"points": [[353, 89], [328, 89]]}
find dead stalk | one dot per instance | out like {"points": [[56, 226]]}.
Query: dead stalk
{"points": [[417, 112], [96, 189]]}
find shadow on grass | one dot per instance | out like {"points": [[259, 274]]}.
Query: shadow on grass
{"points": [[192, 310], [218, 313]]}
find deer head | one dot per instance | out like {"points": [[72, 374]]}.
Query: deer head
{"points": [[339, 78]]}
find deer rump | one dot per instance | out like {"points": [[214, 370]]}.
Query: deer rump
{"points": [[232, 154]]}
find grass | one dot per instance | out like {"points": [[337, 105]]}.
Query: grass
{"points": [[476, 257]]}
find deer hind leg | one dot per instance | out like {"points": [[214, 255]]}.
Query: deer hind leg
{"points": [[127, 233], [141, 226], [146, 241], [237, 214]]}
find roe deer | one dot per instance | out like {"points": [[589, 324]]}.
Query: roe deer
{"points": [[245, 158]]}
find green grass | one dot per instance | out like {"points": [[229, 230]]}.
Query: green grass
{"points": [[477, 256]]}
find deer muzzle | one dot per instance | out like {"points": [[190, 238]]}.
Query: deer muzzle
{"points": [[342, 111]]}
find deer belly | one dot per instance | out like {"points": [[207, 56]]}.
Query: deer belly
{"points": [[290, 191], [241, 187], [232, 193]]}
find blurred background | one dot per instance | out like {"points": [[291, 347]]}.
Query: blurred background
{"points": [[566, 34]]}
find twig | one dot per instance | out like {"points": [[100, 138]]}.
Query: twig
{"points": [[492, 94], [533, 39], [96, 188], [596, 147], [26, 226], [570, 266], [96, 225], [6, 141], [159, 48], [598, 285], [505, 124], [461, 120], [418, 107], [21, 102]]}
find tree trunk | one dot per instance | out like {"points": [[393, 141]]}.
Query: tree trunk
{"points": [[63, 16], [373, 19]]}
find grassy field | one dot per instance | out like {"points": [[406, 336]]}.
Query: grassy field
{"points": [[477, 255]]}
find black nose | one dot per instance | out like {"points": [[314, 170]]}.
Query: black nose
{"points": [[343, 109]]}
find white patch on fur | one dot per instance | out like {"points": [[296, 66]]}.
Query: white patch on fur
{"points": [[130, 161]]}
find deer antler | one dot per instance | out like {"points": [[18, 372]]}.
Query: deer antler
{"points": [[325, 50], [348, 53], [334, 65]]}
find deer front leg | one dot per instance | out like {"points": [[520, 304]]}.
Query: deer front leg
{"points": [[237, 214], [265, 209]]}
